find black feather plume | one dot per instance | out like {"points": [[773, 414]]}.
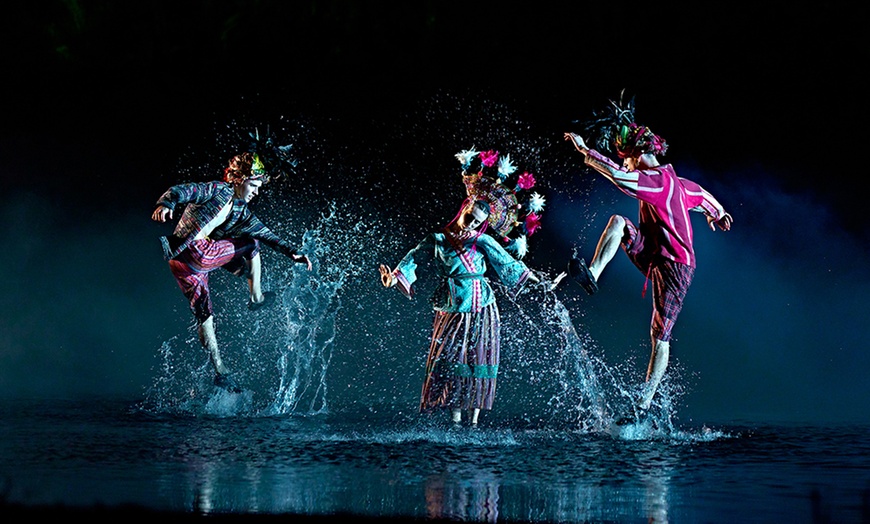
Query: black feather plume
{"points": [[277, 158], [605, 124]]}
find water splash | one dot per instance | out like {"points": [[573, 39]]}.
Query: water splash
{"points": [[570, 383], [312, 304], [340, 342]]}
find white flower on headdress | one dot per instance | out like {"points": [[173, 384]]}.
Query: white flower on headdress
{"points": [[519, 245], [505, 168], [466, 155], [536, 203]]}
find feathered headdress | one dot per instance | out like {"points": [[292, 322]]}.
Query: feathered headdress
{"points": [[276, 159], [613, 129], [506, 212]]}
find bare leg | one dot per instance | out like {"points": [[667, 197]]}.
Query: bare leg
{"points": [[254, 273], [474, 414], [209, 341], [608, 244], [658, 363], [457, 415]]}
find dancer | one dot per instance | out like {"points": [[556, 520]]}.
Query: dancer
{"points": [[660, 245], [217, 229], [463, 359]]}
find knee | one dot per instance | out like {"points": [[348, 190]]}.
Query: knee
{"points": [[616, 223], [616, 227]]}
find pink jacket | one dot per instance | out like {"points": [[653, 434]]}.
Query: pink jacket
{"points": [[665, 201]]}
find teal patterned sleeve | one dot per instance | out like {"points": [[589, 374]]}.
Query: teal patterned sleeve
{"points": [[406, 272], [511, 272]]}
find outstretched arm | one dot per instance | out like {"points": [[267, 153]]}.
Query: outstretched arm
{"points": [[578, 142], [707, 204], [625, 180], [288, 251]]}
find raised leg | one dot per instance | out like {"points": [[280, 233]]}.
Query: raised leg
{"points": [[608, 244]]}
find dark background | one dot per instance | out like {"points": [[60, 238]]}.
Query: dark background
{"points": [[104, 100], [776, 83]]}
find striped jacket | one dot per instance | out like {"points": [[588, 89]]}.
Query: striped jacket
{"points": [[665, 201], [203, 201]]}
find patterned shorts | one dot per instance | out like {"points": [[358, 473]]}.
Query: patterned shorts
{"points": [[670, 282], [192, 266]]}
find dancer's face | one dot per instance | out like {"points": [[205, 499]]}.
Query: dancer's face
{"points": [[644, 161], [472, 217], [248, 189]]}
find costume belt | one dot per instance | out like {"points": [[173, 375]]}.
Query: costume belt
{"points": [[466, 276]]}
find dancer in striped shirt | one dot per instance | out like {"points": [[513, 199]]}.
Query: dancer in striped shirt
{"points": [[218, 230], [660, 245]]}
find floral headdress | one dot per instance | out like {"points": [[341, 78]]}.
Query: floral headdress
{"points": [[506, 212], [615, 130]]}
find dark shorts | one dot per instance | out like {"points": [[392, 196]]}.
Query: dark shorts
{"points": [[192, 267], [670, 281]]}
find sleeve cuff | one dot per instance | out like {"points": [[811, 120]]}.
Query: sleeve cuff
{"points": [[403, 284]]}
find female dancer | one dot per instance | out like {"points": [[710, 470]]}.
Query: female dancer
{"points": [[463, 356]]}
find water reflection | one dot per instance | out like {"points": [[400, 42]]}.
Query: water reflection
{"points": [[426, 479], [655, 470], [62, 454], [456, 495]]}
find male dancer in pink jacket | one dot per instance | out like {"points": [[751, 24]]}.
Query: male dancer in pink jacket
{"points": [[660, 245]]}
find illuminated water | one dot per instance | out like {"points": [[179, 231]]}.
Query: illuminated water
{"points": [[109, 453], [328, 424]]}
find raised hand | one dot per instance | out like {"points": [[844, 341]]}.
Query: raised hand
{"points": [[578, 142], [386, 276], [724, 222], [302, 259], [161, 214]]}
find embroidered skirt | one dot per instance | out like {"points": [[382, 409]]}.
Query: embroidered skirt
{"points": [[463, 361]]}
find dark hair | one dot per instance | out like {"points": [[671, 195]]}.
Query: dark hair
{"points": [[244, 166]]}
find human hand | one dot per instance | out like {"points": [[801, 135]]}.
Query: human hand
{"points": [[302, 259], [161, 214], [578, 142], [386, 276], [724, 222]]}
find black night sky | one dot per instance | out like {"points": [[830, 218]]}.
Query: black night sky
{"points": [[777, 85], [103, 98]]}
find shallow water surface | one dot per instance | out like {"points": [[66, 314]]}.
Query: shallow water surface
{"points": [[111, 453]]}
